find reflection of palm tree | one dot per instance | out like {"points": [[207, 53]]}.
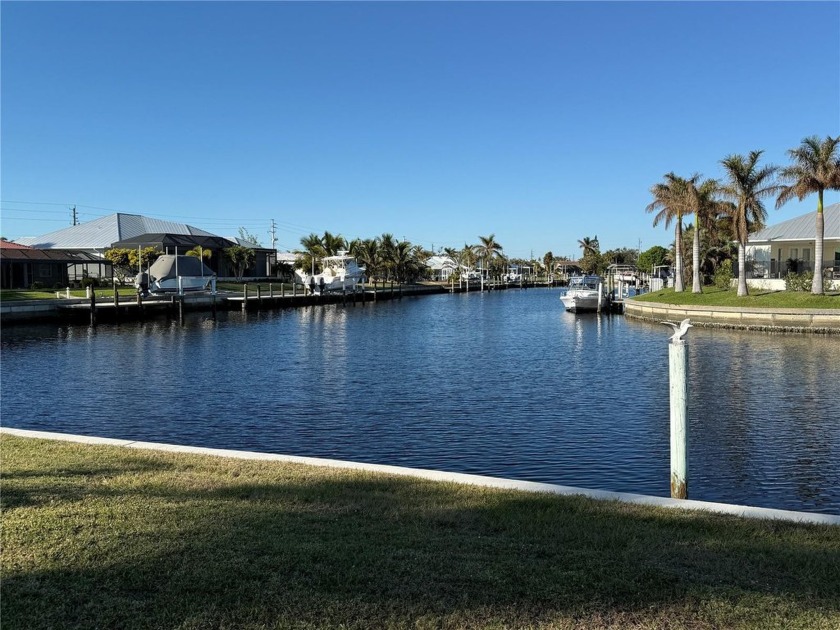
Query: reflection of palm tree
{"points": [[673, 201], [746, 187], [816, 166]]}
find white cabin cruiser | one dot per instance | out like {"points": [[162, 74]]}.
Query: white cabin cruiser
{"points": [[175, 274], [341, 272], [585, 293]]}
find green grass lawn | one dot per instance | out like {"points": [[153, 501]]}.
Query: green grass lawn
{"points": [[712, 296], [104, 537], [49, 294]]}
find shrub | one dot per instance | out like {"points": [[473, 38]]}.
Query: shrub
{"points": [[723, 275], [799, 281], [90, 282], [36, 286]]}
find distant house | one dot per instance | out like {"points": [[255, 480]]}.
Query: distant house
{"points": [[23, 267], [790, 246], [100, 234], [133, 230], [441, 267]]}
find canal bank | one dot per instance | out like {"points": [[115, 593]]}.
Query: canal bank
{"points": [[743, 511], [819, 321], [105, 308]]}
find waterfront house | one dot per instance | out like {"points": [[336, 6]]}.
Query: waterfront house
{"points": [[133, 230], [24, 267], [789, 246], [441, 267]]}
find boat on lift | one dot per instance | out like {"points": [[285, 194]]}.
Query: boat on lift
{"points": [[175, 274], [585, 293], [340, 272]]}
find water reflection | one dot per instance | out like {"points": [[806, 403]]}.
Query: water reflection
{"points": [[504, 383]]}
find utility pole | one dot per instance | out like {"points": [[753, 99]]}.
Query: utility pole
{"points": [[75, 218], [273, 232]]}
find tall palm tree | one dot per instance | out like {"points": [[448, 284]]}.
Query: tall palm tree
{"points": [[707, 208], [673, 201], [387, 247], [489, 250], [589, 245], [313, 249], [367, 252], [747, 186], [333, 243], [815, 168]]}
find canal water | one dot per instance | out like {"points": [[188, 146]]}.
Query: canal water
{"points": [[503, 383]]}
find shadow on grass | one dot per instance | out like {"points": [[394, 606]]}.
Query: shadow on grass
{"points": [[230, 544]]}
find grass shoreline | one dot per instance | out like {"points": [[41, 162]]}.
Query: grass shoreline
{"points": [[95, 536], [757, 298]]}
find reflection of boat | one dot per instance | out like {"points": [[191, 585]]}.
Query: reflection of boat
{"points": [[175, 274], [340, 272], [585, 293]]}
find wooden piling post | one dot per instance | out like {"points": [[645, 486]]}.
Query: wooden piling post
{"points": [[93, 308], [678, 390], [116, 302], [245, 296]]}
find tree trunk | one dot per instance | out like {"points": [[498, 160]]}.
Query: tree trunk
{"points": [[695, 257], [817, 286], [742, 270], [679, 285]]}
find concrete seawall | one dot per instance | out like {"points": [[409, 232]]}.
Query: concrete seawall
{"points": [[743, 511], [822, 321]]}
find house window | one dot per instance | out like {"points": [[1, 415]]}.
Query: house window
{"points": [[794, 253], [44, 271], [806, 254]]}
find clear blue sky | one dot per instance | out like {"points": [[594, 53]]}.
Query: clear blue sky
{"points": [[437, 122]]}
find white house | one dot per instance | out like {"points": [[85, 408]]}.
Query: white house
{"points": [[441, 267], [789, 246]]}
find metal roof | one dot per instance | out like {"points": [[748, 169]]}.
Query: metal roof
{"points": [[103, 232], [31, 254], [803, 228], [182, 241]]}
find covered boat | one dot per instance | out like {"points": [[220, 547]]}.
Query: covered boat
{"points": [[175, 274]]}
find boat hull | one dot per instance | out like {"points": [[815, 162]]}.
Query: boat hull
{"points": [[577, 302]]}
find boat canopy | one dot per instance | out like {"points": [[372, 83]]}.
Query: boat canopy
{"points": [[165, 268]]}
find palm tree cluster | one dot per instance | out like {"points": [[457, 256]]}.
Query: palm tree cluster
{"points": [[736, 204], [386, 258]]}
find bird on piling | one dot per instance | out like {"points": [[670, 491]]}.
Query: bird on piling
{"points": [[679, 329]]}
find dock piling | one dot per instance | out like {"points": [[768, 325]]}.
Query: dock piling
{"points": [[678, 389]]}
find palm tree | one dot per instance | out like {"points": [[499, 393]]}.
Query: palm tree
{"points": [[747, 186], [333, 243], [589, 245], [313, 249], [489, 250], [548, 261], [387, 245], [367, 252], [673, 200], [706, 208], [199, 252], [815, 168]]}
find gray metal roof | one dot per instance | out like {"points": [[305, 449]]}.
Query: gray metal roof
{"points": [[103, 232], [802, 228]]}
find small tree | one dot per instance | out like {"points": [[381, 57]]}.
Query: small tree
{"points": [[240, 259], [653, 257], [120, 260], [143, 259], [199, 252]]}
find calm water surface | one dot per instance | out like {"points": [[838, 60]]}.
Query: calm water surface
{"points": [[503, 383]]}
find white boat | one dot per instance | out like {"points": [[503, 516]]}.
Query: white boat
{"points": [[175, 274], [341, 272], [585, 293]]}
